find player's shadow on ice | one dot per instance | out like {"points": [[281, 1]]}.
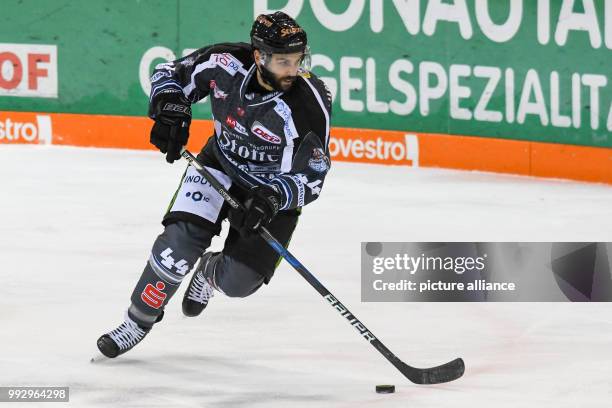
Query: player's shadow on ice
{"points": [[210, 380], [191, 367]]}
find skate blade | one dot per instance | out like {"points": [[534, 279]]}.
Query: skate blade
{"points": [[98, 358]]}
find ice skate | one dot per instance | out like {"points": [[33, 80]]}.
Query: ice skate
{"points": [[123, 338], [199, 291]]}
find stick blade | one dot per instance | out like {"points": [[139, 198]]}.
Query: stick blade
{"points": [[435, 375]]}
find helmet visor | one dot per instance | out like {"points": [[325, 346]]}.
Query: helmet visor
{"points": [[279, 63]]}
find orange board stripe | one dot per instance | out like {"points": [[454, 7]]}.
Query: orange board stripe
{"points": [[387, 147], [571, 162], [116, 131]]}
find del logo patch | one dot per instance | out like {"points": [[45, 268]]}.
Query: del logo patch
{"points": [[261, 132]]}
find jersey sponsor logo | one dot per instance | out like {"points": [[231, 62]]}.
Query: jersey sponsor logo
{"points": [[227, 61], [264, 134], [219, 94], [318, 161], [299, 180], [234, 124], [265, 168], [197, 180], [229, 144], [283, 110], [154, 295], [197, 196], [251, 96], [313, 186], [269, 96], [28, 70]]}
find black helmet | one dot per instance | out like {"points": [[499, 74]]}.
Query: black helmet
{"points": [[278, 33]]}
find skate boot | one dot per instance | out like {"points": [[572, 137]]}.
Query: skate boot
{"points": [[199, 291], [123, 338]]}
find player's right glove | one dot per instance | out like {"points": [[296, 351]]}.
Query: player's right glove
{"points": [[261, 206], [172, 115]]}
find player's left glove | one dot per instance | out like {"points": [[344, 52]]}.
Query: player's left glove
{"points": [[261, 206]]}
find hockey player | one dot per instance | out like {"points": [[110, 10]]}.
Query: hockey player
{"points": [[270, 149]]}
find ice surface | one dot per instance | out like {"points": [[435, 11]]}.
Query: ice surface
{"points": [[77, 224]]}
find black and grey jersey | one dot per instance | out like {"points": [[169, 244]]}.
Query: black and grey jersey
{"points": [[275, 138]]}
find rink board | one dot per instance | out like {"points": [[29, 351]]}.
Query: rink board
{"points": [[412, 149]]}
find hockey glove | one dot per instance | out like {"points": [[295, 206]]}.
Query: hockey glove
{"points": [[261, 206], [172, 115]]}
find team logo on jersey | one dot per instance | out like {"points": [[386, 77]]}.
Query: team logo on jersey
{"points": [[264, 134], [153, 295], [318, 160], [234, 124]]}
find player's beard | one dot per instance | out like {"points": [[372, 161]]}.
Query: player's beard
{"points": [[285, 83], [281, 84]]}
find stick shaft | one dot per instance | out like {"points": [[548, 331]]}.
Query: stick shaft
{"points": [[410, 372]]}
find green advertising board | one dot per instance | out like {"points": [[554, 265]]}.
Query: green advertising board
{"points": [[517, 69]]}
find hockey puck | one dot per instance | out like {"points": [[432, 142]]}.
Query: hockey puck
{"points": [[385, 389]]}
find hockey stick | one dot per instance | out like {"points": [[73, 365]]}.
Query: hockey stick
{"points": [[435, 375]]}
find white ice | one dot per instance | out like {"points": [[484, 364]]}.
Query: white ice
{"points": [[77, 225]]}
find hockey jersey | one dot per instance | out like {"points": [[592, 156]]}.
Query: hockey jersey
{"points": [[275, 138]]}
